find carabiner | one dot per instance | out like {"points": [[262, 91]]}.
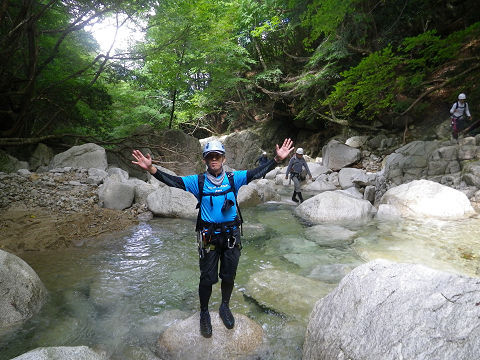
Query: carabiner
{"points": [[234, 241]]}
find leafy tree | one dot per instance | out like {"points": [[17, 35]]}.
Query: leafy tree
{"points": [[51, 67], [191, 54]]}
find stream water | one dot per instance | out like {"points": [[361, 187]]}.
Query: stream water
{"points": [[117, 294]]}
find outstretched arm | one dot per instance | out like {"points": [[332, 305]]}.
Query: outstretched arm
{"points": [[145, 162], [281, 153]]}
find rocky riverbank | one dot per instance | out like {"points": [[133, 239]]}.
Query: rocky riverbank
{"points": [[54, 209]]}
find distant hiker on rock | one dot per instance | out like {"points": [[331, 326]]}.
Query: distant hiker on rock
{"points": [[262, 160], [459, 112], [295, 166], [218, 222]]}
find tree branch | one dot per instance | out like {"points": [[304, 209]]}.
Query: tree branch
{"points": [[331, 119], [275, 94], [439, 86]]}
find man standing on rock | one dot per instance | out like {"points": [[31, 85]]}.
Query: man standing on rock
{"points": [[218, 222], [295, 167], [459, 112]]}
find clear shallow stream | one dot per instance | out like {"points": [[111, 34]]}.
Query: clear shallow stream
{"points": [[118, 293]]}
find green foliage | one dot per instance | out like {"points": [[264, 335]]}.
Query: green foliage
{"points": [[210, 57], [369, 88], [324, 17], [266, 27], [133, 107], [270, 76]]}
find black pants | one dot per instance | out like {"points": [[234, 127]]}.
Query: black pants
{"points": [[228, 259]]}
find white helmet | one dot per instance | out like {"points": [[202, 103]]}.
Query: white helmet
{"points": [[264, 153], [462, 96], [299, 151], [213, 146]]}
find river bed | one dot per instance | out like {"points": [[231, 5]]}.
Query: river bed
{"points": [[118, 293]]}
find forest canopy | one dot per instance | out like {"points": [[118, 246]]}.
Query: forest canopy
{"points": [[209, 66]]}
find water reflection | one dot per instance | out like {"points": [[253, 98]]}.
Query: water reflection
{"points": [[445, 245], [119, 293]]}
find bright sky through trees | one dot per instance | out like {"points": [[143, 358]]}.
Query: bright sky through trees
{"points": [[104, 33]]}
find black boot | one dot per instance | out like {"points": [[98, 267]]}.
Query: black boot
{"points": [[205, 324], [294, 196], [226, 316], [300, 197]]}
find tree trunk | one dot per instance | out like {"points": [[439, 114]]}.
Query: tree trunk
{"points": [[172, 111]]}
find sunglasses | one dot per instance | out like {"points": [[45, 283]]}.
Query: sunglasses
{"points": [[213, 155]]}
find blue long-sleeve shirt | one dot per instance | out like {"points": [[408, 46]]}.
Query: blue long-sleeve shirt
{"points": [[211, 205]]}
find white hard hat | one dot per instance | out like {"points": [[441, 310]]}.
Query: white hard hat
{"points": [[264, 153], [213, 146], [299, 151], [462, 96]]}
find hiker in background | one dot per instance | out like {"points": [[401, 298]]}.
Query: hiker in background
{"points": [[262, 160], [295, 166], [218, 221], [459, 112]]}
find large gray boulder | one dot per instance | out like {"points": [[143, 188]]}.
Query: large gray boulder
{"points": [[184, 341], [426, 199], [267, 191], [41, 156], [61, 353], [317, 169], [172, 202], [356, 141], [319, 185], [443, 160], [172, 148], [242, 148], [82, 156], [22, 293], [337, 155], [142, 190], [10, 164], [334, 206], [96, 176], [388, 311], [116, 195], [471, 173], [248, 195], [348, 177], [410, 162], [256, 193]]}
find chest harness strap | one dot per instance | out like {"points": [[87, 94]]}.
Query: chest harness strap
{"points": [[207, 233]]}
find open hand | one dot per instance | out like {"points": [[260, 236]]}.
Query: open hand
{"points": [[145, 162], [287, 147]]}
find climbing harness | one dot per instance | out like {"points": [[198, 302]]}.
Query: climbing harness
{"points": [[212, 236]]}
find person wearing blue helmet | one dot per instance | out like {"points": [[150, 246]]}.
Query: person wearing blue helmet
{"points": [[218, 222]]}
